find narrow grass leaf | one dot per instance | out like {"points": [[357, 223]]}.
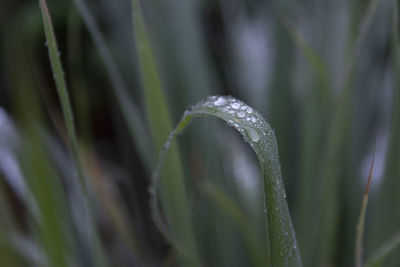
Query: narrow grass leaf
{"points": [[282, 249], [62, 89], [98, 254]]}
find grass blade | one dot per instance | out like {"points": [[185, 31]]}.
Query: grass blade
{"points": [[388, 247], [386, 214], [129, 111], [52, 225], [98, 255], [282, 249], [361, 220], [173, 187], [62, 89], [311, 55], [322, 229], [228, 206]]}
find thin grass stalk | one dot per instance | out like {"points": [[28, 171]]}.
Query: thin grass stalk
{"points": [[361, 221]]}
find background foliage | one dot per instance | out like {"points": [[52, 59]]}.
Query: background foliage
{"points": [[325, 74]]}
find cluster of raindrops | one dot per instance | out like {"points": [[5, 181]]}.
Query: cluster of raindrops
{"points": [[243, 117], [251, 125]]}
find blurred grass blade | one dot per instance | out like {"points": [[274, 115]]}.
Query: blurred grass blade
{"points": [[361, 220], [228, 206], [322, 229], [62, 89], [388, 247], [129, 110], [52, 227], [173, 186], [386, 215], [313, 58], [356, 45], [282, 249]]}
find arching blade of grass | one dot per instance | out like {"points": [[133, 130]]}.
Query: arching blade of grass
{"points": [[380, 255], [282, 249], [173, 186], [129, 111], [226, 205], [361, 220]]}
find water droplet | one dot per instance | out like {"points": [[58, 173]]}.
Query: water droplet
{"points": [[253, 119], [221, 101], [240, 114], [249, 110], [235, 105], [45, 44], [253, 134]]}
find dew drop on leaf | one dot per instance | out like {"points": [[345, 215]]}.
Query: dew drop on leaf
{"points": [[221, 101], [253, 134], [235, 105], [241, 114]]}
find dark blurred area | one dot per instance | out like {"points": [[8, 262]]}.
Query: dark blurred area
{"points": [[324, 74]]}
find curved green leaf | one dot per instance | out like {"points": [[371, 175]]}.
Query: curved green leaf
{"points": [[282, 249]]}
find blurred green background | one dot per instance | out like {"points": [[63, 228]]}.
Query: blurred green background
{"points": [[325, 74]]}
